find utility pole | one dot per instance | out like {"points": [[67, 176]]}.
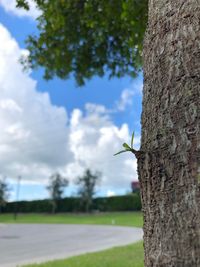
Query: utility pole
{"points": [[17, 197]]}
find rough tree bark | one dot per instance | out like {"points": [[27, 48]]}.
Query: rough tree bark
{"points": [[169, 166]]}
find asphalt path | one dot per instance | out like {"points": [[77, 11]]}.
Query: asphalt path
{"points": [[34, 243]]}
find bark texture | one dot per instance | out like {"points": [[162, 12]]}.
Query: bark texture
{"points": [[169, 167]]}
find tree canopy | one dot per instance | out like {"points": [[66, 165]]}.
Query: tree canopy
{"points": [[87, 38], [56, 187], [4, 190], [87, 188]]}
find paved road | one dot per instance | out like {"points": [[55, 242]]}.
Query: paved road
{"points": [[27, 243]]}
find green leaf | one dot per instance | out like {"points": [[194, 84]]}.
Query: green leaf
{"points": [[122, 151], [85, 38], [22, 4], [125, 145], [132, 138]]}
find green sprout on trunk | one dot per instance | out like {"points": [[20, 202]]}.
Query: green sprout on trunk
{"points": [[127, 148]]}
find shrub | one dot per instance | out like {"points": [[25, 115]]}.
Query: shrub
{"points": [[130, 202]]}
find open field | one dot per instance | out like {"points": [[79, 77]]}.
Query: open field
{"points": [[126, 256], [115, 218]]}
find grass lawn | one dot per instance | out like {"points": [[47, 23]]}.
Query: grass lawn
{"points": [[110, 218], [127, 256]]}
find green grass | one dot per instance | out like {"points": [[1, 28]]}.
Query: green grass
{"points": [[114, 218], [127, 256]]}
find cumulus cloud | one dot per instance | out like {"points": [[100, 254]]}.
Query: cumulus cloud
{"points": [[34, 135], [10, 7], [93, 140], [38, 138]]}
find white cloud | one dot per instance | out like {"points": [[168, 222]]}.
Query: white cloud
{"points": [[10, 105], [127, 94], [33, 136], [10, 7], [37, 138], [93, 140], [110, 193], [126, 99]]}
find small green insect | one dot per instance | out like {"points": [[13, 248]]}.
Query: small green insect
{"points": [[127, 147]]}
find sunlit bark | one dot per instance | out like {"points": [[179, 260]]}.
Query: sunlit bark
{"points": [[169, 167]]}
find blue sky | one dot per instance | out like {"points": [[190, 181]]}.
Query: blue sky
{"points": [[56, 126]]}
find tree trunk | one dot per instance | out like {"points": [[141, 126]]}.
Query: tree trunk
{"points": [[54, 206], [169, 165]]}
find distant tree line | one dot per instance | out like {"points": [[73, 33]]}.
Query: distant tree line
{"points": [[85, 200], [130, 202]]}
